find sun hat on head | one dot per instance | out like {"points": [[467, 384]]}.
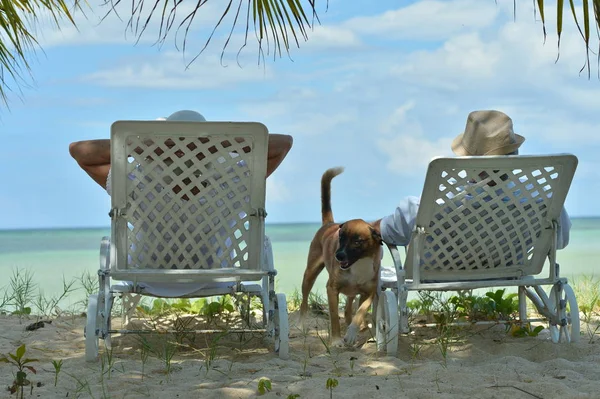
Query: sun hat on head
{"points": [[487, 133], [185, 116]]}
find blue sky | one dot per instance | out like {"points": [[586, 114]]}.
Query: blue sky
{"points": [[380, 90]]}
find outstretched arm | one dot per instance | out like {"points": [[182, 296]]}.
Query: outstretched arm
{"points": [[397, 228], [93, 156]]}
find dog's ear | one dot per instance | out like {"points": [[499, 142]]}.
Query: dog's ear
{"points": [[376, 236]]}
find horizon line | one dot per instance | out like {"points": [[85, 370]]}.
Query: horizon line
{"points": [[2, 229]]}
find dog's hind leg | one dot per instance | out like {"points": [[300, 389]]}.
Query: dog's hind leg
{"points": [[314, 267], [334, 315], [364, 325]]}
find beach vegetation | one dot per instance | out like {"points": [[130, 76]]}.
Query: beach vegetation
{"points": [[57, 364], [165, 352], [587, 291], [525, 330], [22, 289], [264, 386], [505, 307], [246, 305], [19, 360], [211, 353], [89, 283], [5, 300], [294, 301], [466, 306], [330, 384], [48, 306], [450, 314], [317, 303], [144, 352], [333, 356], [210, 308], [82, 385], [107, 361]]}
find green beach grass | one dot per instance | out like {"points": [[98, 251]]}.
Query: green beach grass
{"points": [[161, 355]]}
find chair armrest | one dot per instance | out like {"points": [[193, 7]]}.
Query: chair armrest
{"points": [[395, 257]]}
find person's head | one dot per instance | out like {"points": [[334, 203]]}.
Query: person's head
{"points": [[488, 133], [185, 116]]}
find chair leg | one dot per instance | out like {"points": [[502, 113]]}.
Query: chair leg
{"points": [[129, 303], [403, 312], [522, 305], [91, 330], [106, 319], [386, 329]]}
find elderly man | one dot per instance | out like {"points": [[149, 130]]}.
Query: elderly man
{"points": [[486, 133], [93, 156]]}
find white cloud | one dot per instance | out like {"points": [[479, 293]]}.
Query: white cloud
{"points": [[332, 37], [408, 148], [277, 190], [399, 118], [428, 20], [409, 155], [384, 108], [167, 71]]}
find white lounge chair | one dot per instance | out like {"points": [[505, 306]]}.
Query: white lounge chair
{"points": [[483, 222], [187, 220]]}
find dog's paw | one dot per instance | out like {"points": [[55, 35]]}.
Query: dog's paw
{"points": [[351, 334], [338, 343]]}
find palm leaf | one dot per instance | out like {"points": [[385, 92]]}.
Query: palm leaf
{"points": [[275, 23], [18, 18], [587, 23]]}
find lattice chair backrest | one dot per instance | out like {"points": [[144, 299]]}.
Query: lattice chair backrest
{"points": [[187, 197], [489, 217]]}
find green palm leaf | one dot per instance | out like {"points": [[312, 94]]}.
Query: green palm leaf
{"points": [[278, 25], [18, 18]]}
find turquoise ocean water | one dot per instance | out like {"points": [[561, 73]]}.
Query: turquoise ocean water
{"points": [[51, 254]]}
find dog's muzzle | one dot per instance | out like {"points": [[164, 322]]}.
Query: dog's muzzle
{"points": [[342, 259]]}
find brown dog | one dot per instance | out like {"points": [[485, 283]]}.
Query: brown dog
{"points": [[351, 253]]}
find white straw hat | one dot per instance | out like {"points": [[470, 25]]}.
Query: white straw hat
{"points": [[487, 133]]}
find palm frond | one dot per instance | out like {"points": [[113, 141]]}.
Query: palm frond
{"points": [[278, 24], [18, 19], [589, 19]]}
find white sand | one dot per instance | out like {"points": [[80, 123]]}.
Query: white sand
{"points": [[487, 364]]}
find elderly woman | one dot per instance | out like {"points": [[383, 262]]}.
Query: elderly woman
{"points": [[486, 133]]}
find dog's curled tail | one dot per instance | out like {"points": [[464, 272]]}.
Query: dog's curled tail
{"points": [[326, 211]]}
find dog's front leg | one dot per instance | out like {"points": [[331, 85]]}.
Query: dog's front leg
{"points": [[358, 320], [334, 316], [349, 309]]}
